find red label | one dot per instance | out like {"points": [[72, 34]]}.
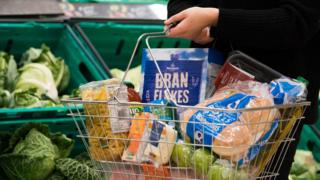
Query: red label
{"points": [[230, 74]]}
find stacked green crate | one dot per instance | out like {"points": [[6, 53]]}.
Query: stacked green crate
{"points": [[17, 38], [63, 42], [310, 138], [115, 41]]}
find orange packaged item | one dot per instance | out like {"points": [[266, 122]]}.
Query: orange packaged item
{"points": [[155, 173], [136, 132]]}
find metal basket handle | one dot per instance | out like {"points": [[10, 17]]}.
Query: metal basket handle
{"points": [[148, 36]]}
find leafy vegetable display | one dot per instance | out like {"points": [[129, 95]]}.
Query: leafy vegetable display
{"points": [[75, 170], [59, 69], [36, 83], [8, 71], [304, 166], [33, 153]]}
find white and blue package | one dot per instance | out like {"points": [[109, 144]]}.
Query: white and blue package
{"points": [[167, 113], [184, 71], [231, 134], [285, 90]]}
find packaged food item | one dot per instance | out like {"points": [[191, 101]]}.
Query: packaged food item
{"points": [[136, 145], [166, 113], [241, 67], [285, 91], [152, 172], [215, 62], [231, 74], [184, 72], [161, 139], [105, 127], [231, 133]]}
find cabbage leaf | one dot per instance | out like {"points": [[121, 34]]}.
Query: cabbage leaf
{"points": [[75, 170], [33, 158], [37, 76], [58, 67], [64, 144]]}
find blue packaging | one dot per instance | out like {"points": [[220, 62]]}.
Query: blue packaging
{"points": [[286, 91], [204, 126], [185, 72]]}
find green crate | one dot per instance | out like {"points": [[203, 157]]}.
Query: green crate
{"points": [[63, 42], [64, 125], [309, 140], [115, 41]]}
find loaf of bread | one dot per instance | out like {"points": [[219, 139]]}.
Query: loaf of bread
{"points": [[232, 133]]}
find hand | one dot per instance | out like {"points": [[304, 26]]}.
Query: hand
{"points": [[204, 37], [192, 22]]}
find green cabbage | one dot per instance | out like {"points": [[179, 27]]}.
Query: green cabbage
{"points": [[304, 166], [37, 76], [33, 158], [75, 170], [25, 167], [133, 76], [64, 144], [30, 98], [36, 144], [59, 69]]}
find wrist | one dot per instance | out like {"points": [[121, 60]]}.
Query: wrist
{"points": [[213, 16]]}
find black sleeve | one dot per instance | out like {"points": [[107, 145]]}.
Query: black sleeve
{"points": [[290, 25], [176, 6]]}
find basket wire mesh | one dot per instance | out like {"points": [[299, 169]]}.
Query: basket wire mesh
{"points": [[106, 148]]}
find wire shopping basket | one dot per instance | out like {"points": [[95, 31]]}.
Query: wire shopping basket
{"points": [[150, 150]]}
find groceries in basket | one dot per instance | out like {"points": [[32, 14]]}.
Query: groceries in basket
{"points": [[133, 76], [136, 145], [231, 133], [184, 72], [150, 140], [166, 111], [107, 123], [224, 171], [182, 154], [160, 142], [240, 67], [285, 91]]}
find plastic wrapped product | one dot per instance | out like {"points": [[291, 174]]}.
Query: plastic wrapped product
{"points": [[104, 126], [287, 91], [136, 145], [161, 139], [232, 133], [166, 113]]}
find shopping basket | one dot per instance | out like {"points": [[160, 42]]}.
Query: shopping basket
{"points": [[107, 148]]}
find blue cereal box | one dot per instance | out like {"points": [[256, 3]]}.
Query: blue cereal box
{"points": [[185, 72]]}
